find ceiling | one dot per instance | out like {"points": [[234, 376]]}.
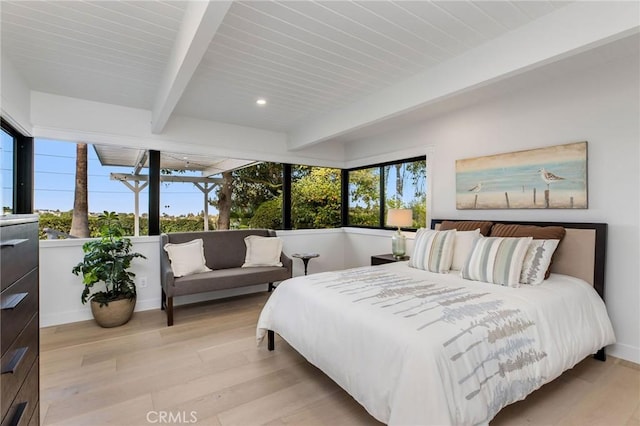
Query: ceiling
{"points": [[212, 61], [306, 58], [137, 159]]}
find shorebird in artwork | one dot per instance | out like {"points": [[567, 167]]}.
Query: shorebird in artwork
{"points": [[476, 188], [549, 177]]}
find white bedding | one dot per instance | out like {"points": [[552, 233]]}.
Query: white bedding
{"points": [[414, 347]]}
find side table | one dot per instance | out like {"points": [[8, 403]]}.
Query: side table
{"points": [[381, 259], [305, 258]]}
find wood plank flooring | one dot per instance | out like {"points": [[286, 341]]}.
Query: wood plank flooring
{"points": [[207, 368]]}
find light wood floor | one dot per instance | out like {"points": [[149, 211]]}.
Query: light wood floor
{"points": [[208, 364]]}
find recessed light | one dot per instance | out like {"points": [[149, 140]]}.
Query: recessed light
{"points": [[261, 101]]}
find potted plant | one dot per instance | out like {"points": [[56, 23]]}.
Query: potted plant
{"points": [[107, 260]]}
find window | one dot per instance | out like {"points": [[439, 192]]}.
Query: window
{"points": [[55, 173], [6, 177], [257, 197], [364, 197], [182, 202], [375, 189], [405, 189], [315, 197]]}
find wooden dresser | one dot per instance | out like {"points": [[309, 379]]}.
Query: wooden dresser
{"points": [[19, 326]]}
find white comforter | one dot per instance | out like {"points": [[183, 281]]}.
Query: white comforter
{"points": [[414, 347]]}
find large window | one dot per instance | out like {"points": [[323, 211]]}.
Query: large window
{"points": [[364, 197], [375, 189], [55, 186], [6, 177], [315, 197], [257, 197], [404, 188], [250, 195]]}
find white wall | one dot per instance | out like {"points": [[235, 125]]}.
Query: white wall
{"points": [[600, 105], [60, 290], [15, 102], [328, 243], [361, 243]]}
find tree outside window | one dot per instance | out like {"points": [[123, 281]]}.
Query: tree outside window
{"points": [[403, 186], [315, 197]]}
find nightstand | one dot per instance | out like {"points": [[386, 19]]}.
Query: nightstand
{"points": [[381, 259]]}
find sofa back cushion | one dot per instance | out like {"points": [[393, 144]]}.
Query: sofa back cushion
{"points": [[222, 249]]}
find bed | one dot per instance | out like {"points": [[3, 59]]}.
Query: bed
{"points": [[416, 347]]}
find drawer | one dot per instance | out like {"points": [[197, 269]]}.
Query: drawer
{"points": [[20, 360], [18, 304], [23, 409], [18, 251], [35, 417]]}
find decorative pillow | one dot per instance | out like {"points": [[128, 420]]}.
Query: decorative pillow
{"points": [[462, 247], [537, 261], [262, 251], [433, 250], [537, 232], [467, 225], [187, 258], [496, 260]]}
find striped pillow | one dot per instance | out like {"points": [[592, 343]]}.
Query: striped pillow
{"points": [[497, 260], [433, 250]]}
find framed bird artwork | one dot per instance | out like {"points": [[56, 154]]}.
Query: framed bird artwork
{"points": [[553, 177]]}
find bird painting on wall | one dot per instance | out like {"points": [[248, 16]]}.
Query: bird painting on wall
{"points": [[549, 177], [476, 188]]}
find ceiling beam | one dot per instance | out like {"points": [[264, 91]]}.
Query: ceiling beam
{"points": [[227, 165], [165, 178], [199, 26], [140, 161]]}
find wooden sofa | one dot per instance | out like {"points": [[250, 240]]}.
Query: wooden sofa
{"points": [[225, 253]]}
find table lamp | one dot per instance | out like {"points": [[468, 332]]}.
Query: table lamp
{"points": [[399, 218]]}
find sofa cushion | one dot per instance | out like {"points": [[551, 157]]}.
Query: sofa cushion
{"points": [[262, 251], [223, 249], [228, 278], [186, 258]]}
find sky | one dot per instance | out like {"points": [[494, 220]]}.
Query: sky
{"points": [[55, 182]]}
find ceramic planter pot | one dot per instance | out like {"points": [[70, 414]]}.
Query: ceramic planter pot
{"points": [[114, 314]]}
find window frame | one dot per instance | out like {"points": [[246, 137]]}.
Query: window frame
{"points": [[23, 179], [24, 163], [383, 200]]}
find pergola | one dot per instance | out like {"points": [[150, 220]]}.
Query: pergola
{"points": [[138, 159]]}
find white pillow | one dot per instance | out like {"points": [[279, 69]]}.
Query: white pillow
{"points": [[262, 251], [537, 261], [187, 258], [462, 247], [496, 260], [433, 250]]}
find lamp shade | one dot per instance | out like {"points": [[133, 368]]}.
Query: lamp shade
{"points": [[399, 217]]}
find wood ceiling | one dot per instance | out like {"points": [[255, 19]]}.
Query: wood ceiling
{"points": [[306, 58]]}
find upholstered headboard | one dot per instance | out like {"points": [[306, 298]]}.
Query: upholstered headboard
{"points": [[581, 253]]}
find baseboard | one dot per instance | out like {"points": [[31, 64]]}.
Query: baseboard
{"points": [[625, 352], [84, 313]]}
